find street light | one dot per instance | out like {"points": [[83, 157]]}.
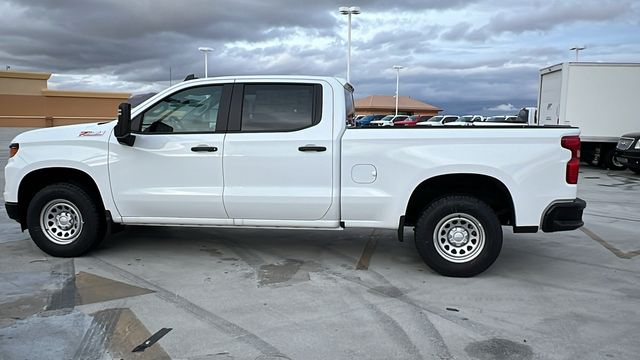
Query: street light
{"points": [[206, 51], [578, 49], [397, 69], [353, 10]]}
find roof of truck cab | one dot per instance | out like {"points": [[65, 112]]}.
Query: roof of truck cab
{"points": [[272, 77]]}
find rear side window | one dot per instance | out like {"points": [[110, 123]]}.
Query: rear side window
{"points": [[278, 107]]}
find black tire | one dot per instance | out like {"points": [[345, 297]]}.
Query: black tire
{"points": [[635, 169], [610, 161], [74, 223], [474, 252]]}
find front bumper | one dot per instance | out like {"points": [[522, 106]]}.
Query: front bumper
{"points": [[564, 216], [12, 210], [628, 157]]}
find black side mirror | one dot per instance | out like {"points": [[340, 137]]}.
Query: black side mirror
{"points": [[122, 130]]}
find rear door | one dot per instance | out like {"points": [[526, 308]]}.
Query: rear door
{"points": [[550, 97], [278, 152]]}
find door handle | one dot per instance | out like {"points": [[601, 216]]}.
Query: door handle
{"points": [[312, 148], [204, 148]]}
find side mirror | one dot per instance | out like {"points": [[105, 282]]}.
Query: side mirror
{"points": [[122, 131]]}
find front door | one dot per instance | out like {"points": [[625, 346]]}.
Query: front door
{"points": [[278, 153], [174, 169]]}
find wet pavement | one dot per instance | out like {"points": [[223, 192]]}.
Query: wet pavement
{"points": [[353, 294]]}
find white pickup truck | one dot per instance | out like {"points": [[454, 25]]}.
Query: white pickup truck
{"points": [[274, 152]]}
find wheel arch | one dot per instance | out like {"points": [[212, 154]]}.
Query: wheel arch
{"points": [[36, 180], [486, 188]]}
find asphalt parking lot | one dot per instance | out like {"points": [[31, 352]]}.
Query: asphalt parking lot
{"points": [[353, 294]]}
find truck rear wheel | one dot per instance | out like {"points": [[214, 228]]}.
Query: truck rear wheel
{"points": [[458, 236], [63, 220]]}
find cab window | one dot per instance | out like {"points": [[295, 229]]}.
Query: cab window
{"points": [[188, 111]]}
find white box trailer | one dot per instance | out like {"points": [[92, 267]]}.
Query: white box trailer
{"points": [[599, 98]]}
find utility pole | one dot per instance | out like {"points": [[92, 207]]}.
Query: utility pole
{"points": [[397, 68]]}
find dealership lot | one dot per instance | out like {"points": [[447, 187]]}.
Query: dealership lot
{"points": [[256, 294]]}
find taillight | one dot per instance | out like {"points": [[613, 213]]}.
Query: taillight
{"points": [[572, 143], [13, 149]]}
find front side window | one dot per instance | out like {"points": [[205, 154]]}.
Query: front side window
{"points": [[277, 107], [187, 111]]}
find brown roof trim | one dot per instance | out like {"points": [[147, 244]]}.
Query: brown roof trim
{"points": [[406, 103], [86, 94], [25, 75]]}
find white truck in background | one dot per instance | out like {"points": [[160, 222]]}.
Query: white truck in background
{"points": [[599, 98]]}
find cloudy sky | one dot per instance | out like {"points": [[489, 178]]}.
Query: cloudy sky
{"points": [[464, 56]]}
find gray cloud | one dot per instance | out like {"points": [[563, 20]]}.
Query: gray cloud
{"points": [[447, 58], [546, 16]]}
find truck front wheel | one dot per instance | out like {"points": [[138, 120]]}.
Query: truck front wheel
{"points": [[458, 236], [64, 220]]}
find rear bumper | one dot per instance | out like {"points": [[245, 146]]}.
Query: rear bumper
{"points": [[12, 210], [564, 216]]}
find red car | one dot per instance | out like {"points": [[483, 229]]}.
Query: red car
{"points": [[412, 120]]}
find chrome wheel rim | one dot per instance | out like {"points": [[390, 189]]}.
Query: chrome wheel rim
{"points": [[61, 221], [459, 237]]}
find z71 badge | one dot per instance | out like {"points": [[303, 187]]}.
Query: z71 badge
{"points": [[91, 133]]}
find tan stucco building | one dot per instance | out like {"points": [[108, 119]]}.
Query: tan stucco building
{"points": [[26, 101], [381, 104]]}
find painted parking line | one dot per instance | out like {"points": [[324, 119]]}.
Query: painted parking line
{"points": [[367, 253], [617, 252]]}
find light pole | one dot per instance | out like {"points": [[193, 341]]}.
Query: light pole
{"points": [[397, 68], [353, 10], [578, 49], [206, 51]]}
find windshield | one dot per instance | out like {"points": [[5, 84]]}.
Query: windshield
{"points": [[435, 119], [387, 118], [466, 118], [413, 118]]}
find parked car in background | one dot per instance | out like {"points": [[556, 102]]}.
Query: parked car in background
{"points": [[528, 115], [470, 118], [628, 151], [499, 118], [467, 120], [439, 120], [365, 121], [358, 117], [412, 120], [511, 119], [388, 120]]}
